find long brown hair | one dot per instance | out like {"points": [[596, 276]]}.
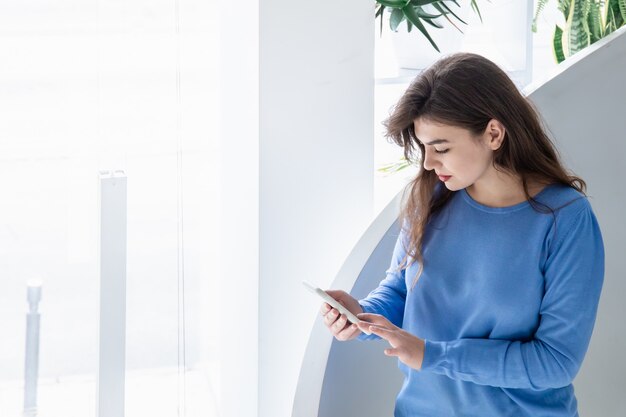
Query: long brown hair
{"points": [[467, 91]]}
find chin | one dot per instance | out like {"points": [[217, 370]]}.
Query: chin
{"points": [[452, 187]]}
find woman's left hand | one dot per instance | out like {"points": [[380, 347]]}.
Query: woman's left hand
{"points": [[408, 348]]}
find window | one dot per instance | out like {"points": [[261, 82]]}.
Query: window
{"points": [[109, 86]]}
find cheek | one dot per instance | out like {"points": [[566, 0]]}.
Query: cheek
{"points": [[472, 162]]}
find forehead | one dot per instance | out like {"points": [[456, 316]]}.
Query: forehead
{"points": [[429, 131]]}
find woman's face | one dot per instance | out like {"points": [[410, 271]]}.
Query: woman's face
{"points": [[457, 157]]}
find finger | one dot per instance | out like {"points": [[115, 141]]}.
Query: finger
{"points": [[331, 317], [339, 325], [381, 332], [348, 333], [369, 327], [325, 308], [364, 327], [392, 352], [374, 318]]}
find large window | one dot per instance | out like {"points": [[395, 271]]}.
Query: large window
{"points": [[92, 86]]}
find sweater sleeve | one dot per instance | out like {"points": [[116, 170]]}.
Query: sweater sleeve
{"points": [[573, 276], [389, 297]]}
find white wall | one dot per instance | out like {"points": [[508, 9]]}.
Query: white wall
{"points": [[297, 104], [584, 104]]}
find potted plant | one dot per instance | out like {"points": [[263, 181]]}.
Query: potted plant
{"points": [[586, 21], [416, 13], [419, 52]]}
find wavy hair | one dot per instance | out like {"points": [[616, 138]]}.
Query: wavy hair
{"points": [[467, 91]]}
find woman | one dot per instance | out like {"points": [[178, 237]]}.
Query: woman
{"points": [[491, 297]]}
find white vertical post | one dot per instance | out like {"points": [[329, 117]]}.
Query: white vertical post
{"points": [[31, 362], [112, 336]]}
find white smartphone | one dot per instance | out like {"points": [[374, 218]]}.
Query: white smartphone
{"points": [[334, 303]]}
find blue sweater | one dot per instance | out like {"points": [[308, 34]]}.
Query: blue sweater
{"points": [[506, 305]]}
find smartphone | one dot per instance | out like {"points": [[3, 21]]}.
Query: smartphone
{"points": [[334, 303]]}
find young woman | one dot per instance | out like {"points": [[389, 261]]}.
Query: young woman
{"points": [[491, 296]]}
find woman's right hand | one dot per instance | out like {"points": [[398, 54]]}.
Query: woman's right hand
{"points": [[337, 323]]}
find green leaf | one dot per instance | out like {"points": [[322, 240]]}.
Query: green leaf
{"points": [[610, 22], [564, 6], [594, 21], [540, 6], [433, 23], [618, 7], [445, 14], [607, 13], [424, 15], [477, 10], [423, 2], [576, 29], [557, 44], [614, 16], [379, 10], [452, 13], [393, 167], [397, 16], [412, 17], [396, 4]]}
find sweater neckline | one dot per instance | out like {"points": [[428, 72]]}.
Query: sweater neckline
{"points": [[515, 207]]}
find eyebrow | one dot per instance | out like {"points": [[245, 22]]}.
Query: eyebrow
{"points": [[435, 142]]}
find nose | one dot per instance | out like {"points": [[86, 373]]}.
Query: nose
{"points": [[430, 160]]}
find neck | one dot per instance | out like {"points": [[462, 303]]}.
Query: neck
{"points": [[501, 190]]}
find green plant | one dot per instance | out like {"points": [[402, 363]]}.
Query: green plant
{"points": [[393, 167], [412, 11], [586, 21]]}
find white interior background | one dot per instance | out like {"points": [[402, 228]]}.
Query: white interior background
{"points": [[134, 85], [89, 86]]}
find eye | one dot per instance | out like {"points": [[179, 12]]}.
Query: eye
{"points": [[442, 151]]}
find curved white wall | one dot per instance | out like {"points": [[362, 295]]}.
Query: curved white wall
{"points": [[584, 106], [338, 378]]}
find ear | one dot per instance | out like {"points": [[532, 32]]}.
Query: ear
{"points": [[494, 134]]}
